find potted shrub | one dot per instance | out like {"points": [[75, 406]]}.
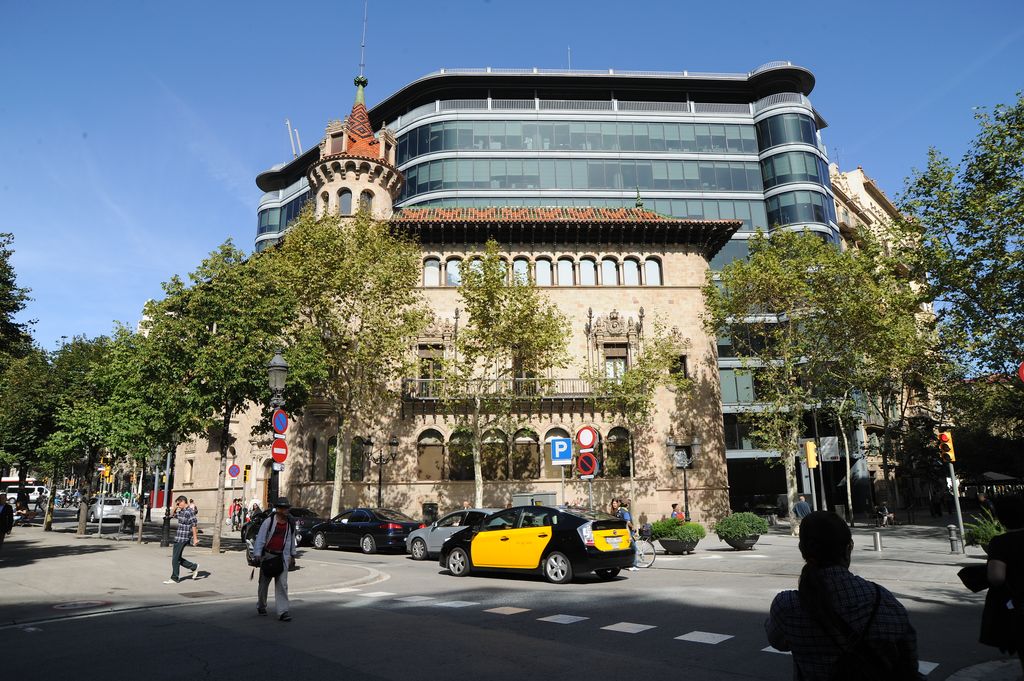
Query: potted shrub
{"points": [[677, 536], [741, 530], [982, 530]]}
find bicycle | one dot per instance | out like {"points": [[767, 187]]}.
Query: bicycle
{"points": [[644, 547]]}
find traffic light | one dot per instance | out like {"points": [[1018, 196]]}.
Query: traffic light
{"points": [[946, 452], [245, 474], [811, 451]]}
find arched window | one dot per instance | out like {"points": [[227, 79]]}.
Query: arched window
{"points": [[453, 272], [477, 265], [430, 455], [588, 272], [652, 272], [550, 471], [542, 272], [525, 456], [616, 454], [356, 460], [312, 458], [565, 277], [345, 202], [609, 272], [366, 201], [460, 456], [332, 458], [521, 270], [494, 455], [431, 272], [630, 272]]}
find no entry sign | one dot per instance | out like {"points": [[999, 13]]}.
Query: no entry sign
{"points": [[586, 463], [280, 421], [279, 450]]}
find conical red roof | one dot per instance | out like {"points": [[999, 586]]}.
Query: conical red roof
{"points": [[361, 141]]}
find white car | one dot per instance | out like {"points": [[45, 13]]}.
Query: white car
{"points": [[113, 508], [34, 492]]}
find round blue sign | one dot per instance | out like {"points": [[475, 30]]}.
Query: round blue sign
{"points": [[280, 421], [234, 470]]}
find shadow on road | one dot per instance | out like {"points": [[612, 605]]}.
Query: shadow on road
{"points": [[24, 550]]}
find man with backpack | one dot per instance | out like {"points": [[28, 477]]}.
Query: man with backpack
{"points": [[838, 625], [274, 551]]}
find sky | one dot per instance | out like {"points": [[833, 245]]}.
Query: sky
{"points": [[131, 133]]}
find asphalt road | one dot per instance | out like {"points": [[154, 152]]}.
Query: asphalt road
{"points": [[697, 616]]}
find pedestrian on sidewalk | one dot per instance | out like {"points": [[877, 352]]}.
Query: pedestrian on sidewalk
{"points": [[275, 550], [186, 532], [836, 624], [801, 509], [985, 503], [1001, 624], [676, 513], [6, 519]]}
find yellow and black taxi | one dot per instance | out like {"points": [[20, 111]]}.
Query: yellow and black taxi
{"points": [[556, 542]]}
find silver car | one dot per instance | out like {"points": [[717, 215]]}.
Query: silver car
{"points": [[426, 542], [112, 509]]}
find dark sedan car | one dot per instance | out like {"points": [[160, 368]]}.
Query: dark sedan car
{"points": [[556, 542], [305, 520], [368, 528]]}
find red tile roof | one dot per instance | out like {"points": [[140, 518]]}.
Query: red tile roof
{"points": [[540, 214], [361, 141]]}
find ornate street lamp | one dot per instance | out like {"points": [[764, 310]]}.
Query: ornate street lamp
{"points": [[277, 375], [380, 459], [683, 456]]}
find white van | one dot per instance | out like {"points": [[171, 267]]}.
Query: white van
{"points": [[34, 492]]}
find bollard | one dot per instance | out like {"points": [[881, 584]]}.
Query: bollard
{"points": [[878, 541], [955, 541]]}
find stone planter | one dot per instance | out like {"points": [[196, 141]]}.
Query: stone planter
{"points": [[678, 546], [742, 543]]}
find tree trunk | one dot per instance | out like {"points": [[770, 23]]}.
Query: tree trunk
{"points": [[789, 465], [846, 455], [478, 469], [48, 518], [339, 466], [218, 517], [83, 505]]}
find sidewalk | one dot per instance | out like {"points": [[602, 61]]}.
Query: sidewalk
{"points": [[47, 575]]}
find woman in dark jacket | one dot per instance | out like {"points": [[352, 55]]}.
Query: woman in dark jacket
{"points": [[1001, 622]]}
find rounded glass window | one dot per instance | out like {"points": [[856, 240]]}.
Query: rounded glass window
{"points": [[794, 207], [790, 128], [793, 166], [588, 272], [453, 272], [630, 272], [431, 272], [345, 202], [521, 270], [609, 272], [652, 272], [542, 272], [565, 277]]}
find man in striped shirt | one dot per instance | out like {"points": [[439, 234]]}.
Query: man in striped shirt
{"points": [[187, 531]]}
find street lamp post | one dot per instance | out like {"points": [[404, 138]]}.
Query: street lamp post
{"points": [[683, 457], [277, 374], [165, 537], [380, 459]]}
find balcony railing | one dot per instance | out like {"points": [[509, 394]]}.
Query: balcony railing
{"points": [[511, 388]]}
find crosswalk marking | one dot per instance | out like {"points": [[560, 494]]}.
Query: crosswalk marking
{"points": [[415, 599], [507, 610], [769, 649], [377, 594], [455, 604], [926, 668], [704, 637], [344, 590], [563, 619], [628, 627]]}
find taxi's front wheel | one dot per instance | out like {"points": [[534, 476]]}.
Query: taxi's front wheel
{"points": [[458, 563], [557, 568]]}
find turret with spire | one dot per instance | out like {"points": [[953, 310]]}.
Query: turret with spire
{"points": [[356, 169]]}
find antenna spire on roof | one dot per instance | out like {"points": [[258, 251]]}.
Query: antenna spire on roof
{"points": [[362, 45]]}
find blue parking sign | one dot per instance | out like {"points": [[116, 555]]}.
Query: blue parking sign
{"points": [[561, 451]]}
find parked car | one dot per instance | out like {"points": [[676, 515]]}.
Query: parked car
{"points": [[369, 529], [555, 542], [303, 518], [426, 542], [112, 509]]}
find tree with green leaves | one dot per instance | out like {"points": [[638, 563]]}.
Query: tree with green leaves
{"points": [[14, 336], [26, 410], [514, 336], [966, 217], [359, 310], [209, 341]]}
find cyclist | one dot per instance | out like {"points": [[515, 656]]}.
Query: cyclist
{"points": [[623, 512]]}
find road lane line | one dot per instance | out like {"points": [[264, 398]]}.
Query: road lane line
{"points": [[562, 619], [628, 627], [507, 610], [704, 637]]}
